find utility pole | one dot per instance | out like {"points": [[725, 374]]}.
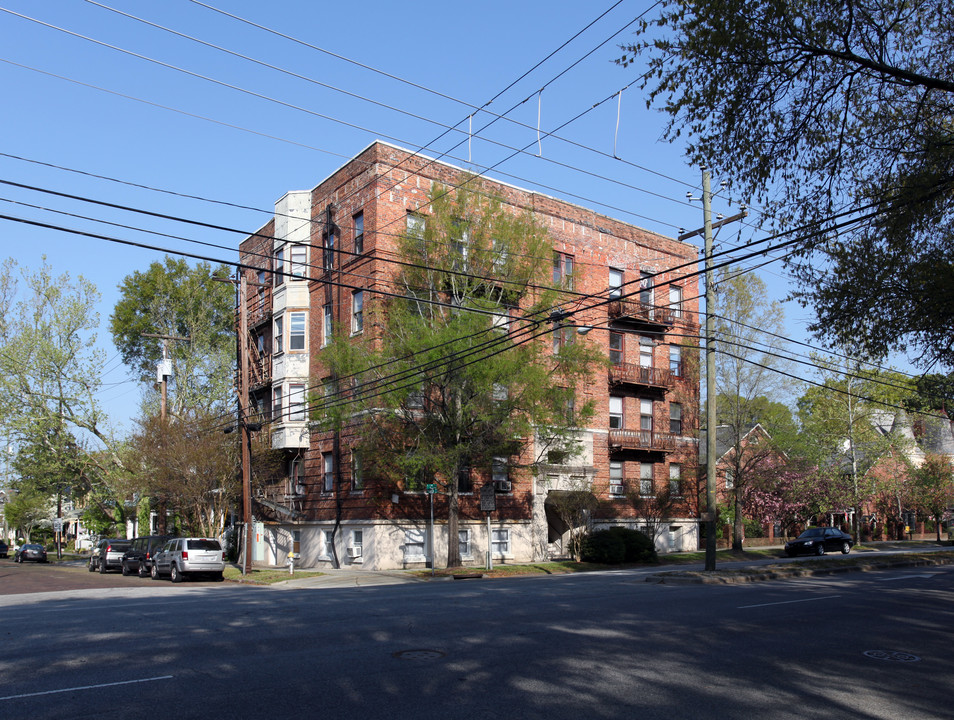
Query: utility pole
{"points": [[245, 435], [711, 513]]}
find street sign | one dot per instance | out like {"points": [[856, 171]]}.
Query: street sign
{"points": [[431, 488], [488, 498], [57, 525]]}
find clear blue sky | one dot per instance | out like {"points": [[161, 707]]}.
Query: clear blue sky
{"points": [[285, 128]]}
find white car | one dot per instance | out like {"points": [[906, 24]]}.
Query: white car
{"points": [[182, 557]]}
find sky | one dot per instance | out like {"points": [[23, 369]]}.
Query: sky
{"points": [[211, 111]]}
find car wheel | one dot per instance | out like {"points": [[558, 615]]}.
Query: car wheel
{"points": [[142, 570], [154, 572], [218, 577], [820, 550], [174, 574], [102, 567], [845, 548], [91, 567], [124, 569]]}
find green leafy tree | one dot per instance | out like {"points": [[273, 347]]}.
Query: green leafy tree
{"points": [[458, 376], [176, 300], [25, 509], [749, 327], [933, 489], [812, 107]]}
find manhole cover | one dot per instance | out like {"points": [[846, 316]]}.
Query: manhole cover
{"points": [[419, 654], [892, 656]]}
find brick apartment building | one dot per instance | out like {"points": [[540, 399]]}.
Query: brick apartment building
{"points": [[320, 264]]}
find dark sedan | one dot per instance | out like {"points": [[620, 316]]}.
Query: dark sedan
{"points": [[36, 553], [3, 549], [818, 541]]}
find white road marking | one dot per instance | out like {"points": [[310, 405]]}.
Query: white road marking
{"points": [[86, 687], [783, 602], [907, 577]]}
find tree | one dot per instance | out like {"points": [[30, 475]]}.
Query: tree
{"points": [[749, 328], [174, 299], [934, 487], [460, 376], [49, 379], [654, 511], [191, 465], [26, 509], [813, 107], [573, 506]]}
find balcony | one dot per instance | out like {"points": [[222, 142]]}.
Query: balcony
{"points": [[641, 440], [637, 312], [631, 374]]}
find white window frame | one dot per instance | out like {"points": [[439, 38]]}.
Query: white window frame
{"points": [[278, 335], [617, 416], [296, 402], [465, 545], [617, 486], [646, 484], [277, 404], [675, 300], [562, 270], [299, 261], [357, 542], [675, 418], [646, 415], [327, 472], [297, 328], [615, 283], [357, 473], [646, 351], [357, 221], [675, 480], [500, 542], [278, 267], [415, 545], [675, 360], [357, 312], [327, 544], [326, 324]]}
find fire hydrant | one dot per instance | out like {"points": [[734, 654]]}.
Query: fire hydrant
{"points": [[291, 563]]}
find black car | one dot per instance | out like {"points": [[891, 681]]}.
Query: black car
{"points": [[4, 549], [138, 558], [108, 554], [30, 551], [818, 541]]}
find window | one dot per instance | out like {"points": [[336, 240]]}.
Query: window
{"points": [[296, 331], [296, 476], [502, 318], [414, 545], [278, 267], [616, 477], [569, 410], [562, 336], [260, 281], [357, 543], [616, 355], [500, 256], [646, 479], [646, 288], [299, 261], [416, 225], [645, 351], [463, 543], [500, 541], [277, 404], [260, 345], [328, 243], [673, 533], [729, 480], [357, 221], [326, 326], [327, 472], [296, 402], [500, 471], [675, 480], [459, 240], [646, 415], [563, 270], [328, 544], [675, 360], [615, 412], [278, 335], [675, 418], [465, 481], [357, 472], [675, 300], [615, 283], [357, 312]]}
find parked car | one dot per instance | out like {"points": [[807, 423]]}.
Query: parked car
{"points": [[30, 551], [138, 558], [4, 549], [181, 557], [108, 554], [818, 541]]}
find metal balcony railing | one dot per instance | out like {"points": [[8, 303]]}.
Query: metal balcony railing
{"points": [[641, 440]]}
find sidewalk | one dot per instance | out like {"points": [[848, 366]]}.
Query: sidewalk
{"points": [[345, 578]]}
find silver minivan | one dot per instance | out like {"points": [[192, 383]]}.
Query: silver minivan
{"points": [[181, 557]]}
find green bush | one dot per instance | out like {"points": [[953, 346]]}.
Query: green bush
{"points": [[639, 547], [604, 547]]}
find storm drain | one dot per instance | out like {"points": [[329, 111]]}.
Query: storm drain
{"points": [[892, 656], [419, 654]]}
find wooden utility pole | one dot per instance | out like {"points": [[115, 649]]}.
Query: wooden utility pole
{"points": [[711, 514], [244, 432]]}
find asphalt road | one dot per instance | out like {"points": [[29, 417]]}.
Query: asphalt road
{"points": [[600, 645]]}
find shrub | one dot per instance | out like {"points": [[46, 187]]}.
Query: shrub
{"points": [[604, 547], [639, 547]]}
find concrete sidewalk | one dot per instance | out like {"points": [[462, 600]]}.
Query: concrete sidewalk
{"points": [[345, 578]]}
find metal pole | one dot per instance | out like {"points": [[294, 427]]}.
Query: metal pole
{"points": [[711, 427], [431, 495], [490, 546]]}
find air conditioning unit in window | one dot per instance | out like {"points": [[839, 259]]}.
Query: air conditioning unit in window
{"points": [[354, 552], [616, 489], [504, 486]]}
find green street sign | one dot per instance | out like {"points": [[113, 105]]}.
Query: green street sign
{"points": [[431, 488]]}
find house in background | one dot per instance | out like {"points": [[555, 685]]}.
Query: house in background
{"points": [[323, 262]]}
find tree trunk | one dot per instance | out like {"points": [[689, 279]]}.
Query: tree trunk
{"points": [[738, 526], [453, 524]]}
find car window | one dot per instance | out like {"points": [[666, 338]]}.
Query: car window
{"points": [[204, 545]]}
